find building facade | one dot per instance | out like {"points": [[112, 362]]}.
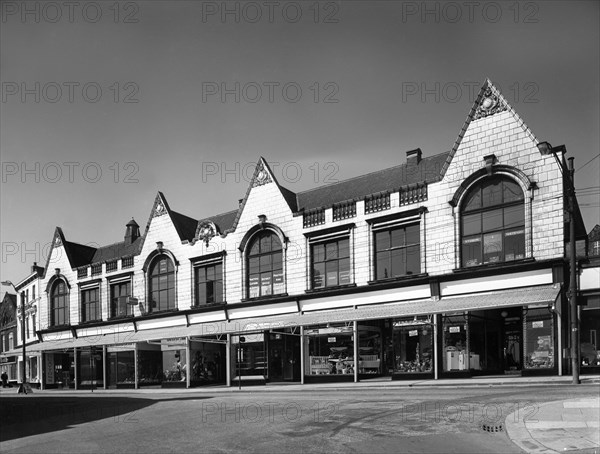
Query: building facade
{"points": [[8, 336], [29, 296], [450, 265]]}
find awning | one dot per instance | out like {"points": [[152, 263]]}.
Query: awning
{"points": [[526, 296], [122, 338]]}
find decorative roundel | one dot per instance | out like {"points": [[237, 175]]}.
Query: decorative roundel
{"points": [[488, 103], [262, 176], [159, 208]]}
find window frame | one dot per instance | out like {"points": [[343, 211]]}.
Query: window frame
{"points": [[84, 304], [401, 226], [64, 308], [324, 242], [218, 280], [171, 290], [501, 229], [249, 256], [113, 307]]}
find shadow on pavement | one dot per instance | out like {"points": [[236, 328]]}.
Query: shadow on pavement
{"points": [[22, 416]]}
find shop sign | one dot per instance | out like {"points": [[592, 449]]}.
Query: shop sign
{"points": [[331, 340], [538, 324], [413, 332], [454, 329]]}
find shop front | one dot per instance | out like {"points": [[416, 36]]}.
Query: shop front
{"points": [[90, 368], [59, 369], [8, 365], [412, 344], [502, 341], [329, 353], [266, 356]]}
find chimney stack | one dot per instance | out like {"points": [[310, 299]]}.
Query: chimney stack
{"points": [[37, 269], [413, 157], [132, 231]]}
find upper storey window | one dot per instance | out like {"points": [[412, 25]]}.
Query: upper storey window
{"points": [[493, 222], [265, 265], [162, 284], [397, 252], [59, 304], [330, 263]]}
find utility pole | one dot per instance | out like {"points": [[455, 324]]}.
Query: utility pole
{"points": [[573, 278]]}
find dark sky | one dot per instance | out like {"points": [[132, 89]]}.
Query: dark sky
{"points": [[103, 106]]}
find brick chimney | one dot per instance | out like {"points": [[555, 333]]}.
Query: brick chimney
{"points": [[132, 232], [413, 157]]}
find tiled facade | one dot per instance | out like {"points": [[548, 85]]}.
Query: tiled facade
{"points": [[301, 325]]}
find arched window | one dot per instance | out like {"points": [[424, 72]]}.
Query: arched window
{"points": [[59, 304], [162, 284], [265, 265], [493, 222]]}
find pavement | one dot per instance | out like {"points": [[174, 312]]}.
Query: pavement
{"points": [[571, 425], [561, 426]]}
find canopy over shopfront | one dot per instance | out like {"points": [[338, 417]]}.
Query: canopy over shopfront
{"points": [[526, 296]]}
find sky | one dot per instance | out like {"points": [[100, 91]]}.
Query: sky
{"points": [[106, 103]]}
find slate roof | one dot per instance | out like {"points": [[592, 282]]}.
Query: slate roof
{"points": [[115, 251], [224, 221], [428, 170], [79, 254], [185, 225], [391, 179]]}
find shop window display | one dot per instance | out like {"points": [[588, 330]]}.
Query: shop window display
{"points": [[207, 363], [121, 370], [413, 346], [330, 350], [60, 370], [455, 347], [175, 362], [539, 339], [149, 367]]}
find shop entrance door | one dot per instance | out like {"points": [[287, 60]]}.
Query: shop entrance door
{"points": [[513, 332], [284, 357]]}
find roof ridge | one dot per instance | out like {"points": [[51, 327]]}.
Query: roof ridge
{"points": [[367, 174]]}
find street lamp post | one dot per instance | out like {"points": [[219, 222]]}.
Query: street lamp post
{"points": [[22, 387]]}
